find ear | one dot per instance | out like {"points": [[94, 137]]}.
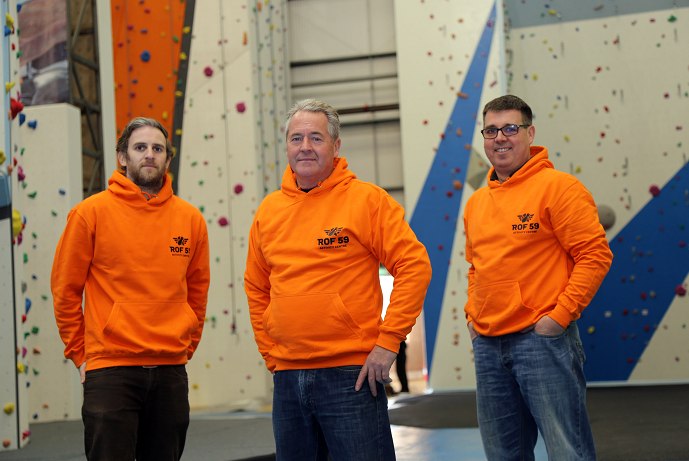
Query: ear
{"points": [[532, 133], [337, 147], [167, 163], [122, 158]]}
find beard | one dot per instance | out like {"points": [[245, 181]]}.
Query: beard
{"points": [[146, 178]]}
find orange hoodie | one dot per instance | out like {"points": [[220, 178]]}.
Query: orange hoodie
{"points": [[144, 267], [535, 247], [312, 273]]}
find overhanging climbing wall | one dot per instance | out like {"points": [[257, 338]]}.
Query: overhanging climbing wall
{"points": [[445, 79], [147, 54]]}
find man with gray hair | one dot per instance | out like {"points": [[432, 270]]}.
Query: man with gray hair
{"points": [[144, 303], [315, 300]]}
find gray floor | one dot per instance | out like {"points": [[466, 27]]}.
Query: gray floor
{"points": [[226, 437]]}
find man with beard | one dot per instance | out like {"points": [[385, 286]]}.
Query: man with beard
{"points": [[144, 303]]}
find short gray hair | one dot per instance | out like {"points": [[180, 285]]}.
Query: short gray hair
{"points": [[140, 122], [313, 105]]}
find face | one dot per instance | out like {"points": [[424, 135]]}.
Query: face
{"points": [[507, 154], [310, 150], [146, 159]]}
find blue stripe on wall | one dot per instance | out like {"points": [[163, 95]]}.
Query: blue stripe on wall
{"points": [[649, 263], [436, 216]]}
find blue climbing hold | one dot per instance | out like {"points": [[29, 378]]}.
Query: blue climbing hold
{"points": [[32, 124], [22, 119], [27, 302], [145, 56]]}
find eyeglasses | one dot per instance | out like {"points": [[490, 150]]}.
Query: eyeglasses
{"points": [[507, 130]]}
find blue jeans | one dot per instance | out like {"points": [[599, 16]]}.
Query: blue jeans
{"points": [[528, 383], [135, 412], [318, 411]]}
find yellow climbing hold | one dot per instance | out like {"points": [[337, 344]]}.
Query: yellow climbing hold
{"points": [[535, 76], [8, 86], [165, 115], [178, 94], [186, 30], [591, 330], [178, 132], [9, 408], [183, 56], [8, 20], [552, 12], [578, 169], [566, 138], [2, 157], [20, 368]]}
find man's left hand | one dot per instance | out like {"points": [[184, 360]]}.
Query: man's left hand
{"points": [[376, 368], [548, 327]]}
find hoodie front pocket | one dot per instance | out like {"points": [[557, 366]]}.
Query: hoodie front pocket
{"points": [[311, 325], [161, 328], [498, 307]]}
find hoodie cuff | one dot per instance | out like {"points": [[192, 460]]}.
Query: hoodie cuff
{"points": [[561, 315]]}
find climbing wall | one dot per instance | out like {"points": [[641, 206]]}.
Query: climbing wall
{"points": [[231, 148], [51, 161], [147, 42], [609, 85], [14, 422], [445, 79]]}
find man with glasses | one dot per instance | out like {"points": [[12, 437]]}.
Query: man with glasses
{"points": [[538, 255]]}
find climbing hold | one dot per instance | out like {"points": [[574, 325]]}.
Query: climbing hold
{"points": [[6, 443], [27, 305], [182, 56], [145, 56], [654, 190], [238, 189], [20, 368], [223, 221], [680, 290], [457, 184], [34, 330], [241, 107], [8, 86], [22, 119], [32, 194], [32, 124], [9, 408], [591, 330], [15, 107], [208, 71]]}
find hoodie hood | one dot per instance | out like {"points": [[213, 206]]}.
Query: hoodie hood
{"points": [[125, 189], [537, 161], [340, 176]]}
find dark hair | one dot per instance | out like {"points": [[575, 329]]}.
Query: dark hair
{"points": [[313, 105], [509, 102], [140, 122]]}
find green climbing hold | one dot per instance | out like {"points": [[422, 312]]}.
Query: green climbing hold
{"points": [[175, 39], [34, 330], [44, 297], [33, 234], [26, 258], [53, 212], [202, 208], [32, 194]]}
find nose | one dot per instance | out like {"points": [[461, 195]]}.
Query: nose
{"points": [[501, 136], [305, 144]]}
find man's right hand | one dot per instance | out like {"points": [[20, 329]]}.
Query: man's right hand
{"points": [[472, 332], [82, 372]]}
